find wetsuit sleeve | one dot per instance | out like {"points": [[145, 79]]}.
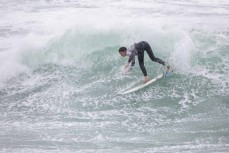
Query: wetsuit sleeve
{"points": [[132, 56], [133, 61]]}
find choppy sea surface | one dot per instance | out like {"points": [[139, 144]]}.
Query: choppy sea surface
{"points": [[60, 75]]}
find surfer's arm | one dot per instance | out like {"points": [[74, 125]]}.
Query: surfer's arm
{"points": [[128, 62], [127, 65], [131, 59]]}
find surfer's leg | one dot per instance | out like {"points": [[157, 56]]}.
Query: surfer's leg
{"points": [[151, 55], [141, 62]]}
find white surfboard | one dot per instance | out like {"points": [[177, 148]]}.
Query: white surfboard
{"points": [[142, 85]]}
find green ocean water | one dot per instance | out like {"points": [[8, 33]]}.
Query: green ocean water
{"points": [[60, 82]]}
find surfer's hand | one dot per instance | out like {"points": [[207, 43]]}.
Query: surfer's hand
{"points": [[126, 66], [146, 79]]}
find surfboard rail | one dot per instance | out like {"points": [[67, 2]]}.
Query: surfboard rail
{"points": [[142, 85]]}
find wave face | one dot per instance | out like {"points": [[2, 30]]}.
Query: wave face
{"points": [[61, 74]]}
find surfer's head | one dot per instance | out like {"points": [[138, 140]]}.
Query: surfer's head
{"points": [[122, 51]]}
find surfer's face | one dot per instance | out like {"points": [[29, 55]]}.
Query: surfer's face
{"points": [[123, 54]]}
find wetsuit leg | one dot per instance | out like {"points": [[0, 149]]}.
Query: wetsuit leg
{"points": [[141, 62], [151, 55]]}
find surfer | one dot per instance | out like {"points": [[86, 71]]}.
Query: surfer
{"points": [[138, 50]]}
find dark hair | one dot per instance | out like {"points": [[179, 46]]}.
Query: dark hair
{"points": [[122, 49]]}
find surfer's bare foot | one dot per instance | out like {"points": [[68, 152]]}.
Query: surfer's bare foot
{"points": [[168, 68], [146, 79]]}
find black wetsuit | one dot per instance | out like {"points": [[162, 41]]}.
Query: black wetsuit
{"points": [[138, 49]]}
